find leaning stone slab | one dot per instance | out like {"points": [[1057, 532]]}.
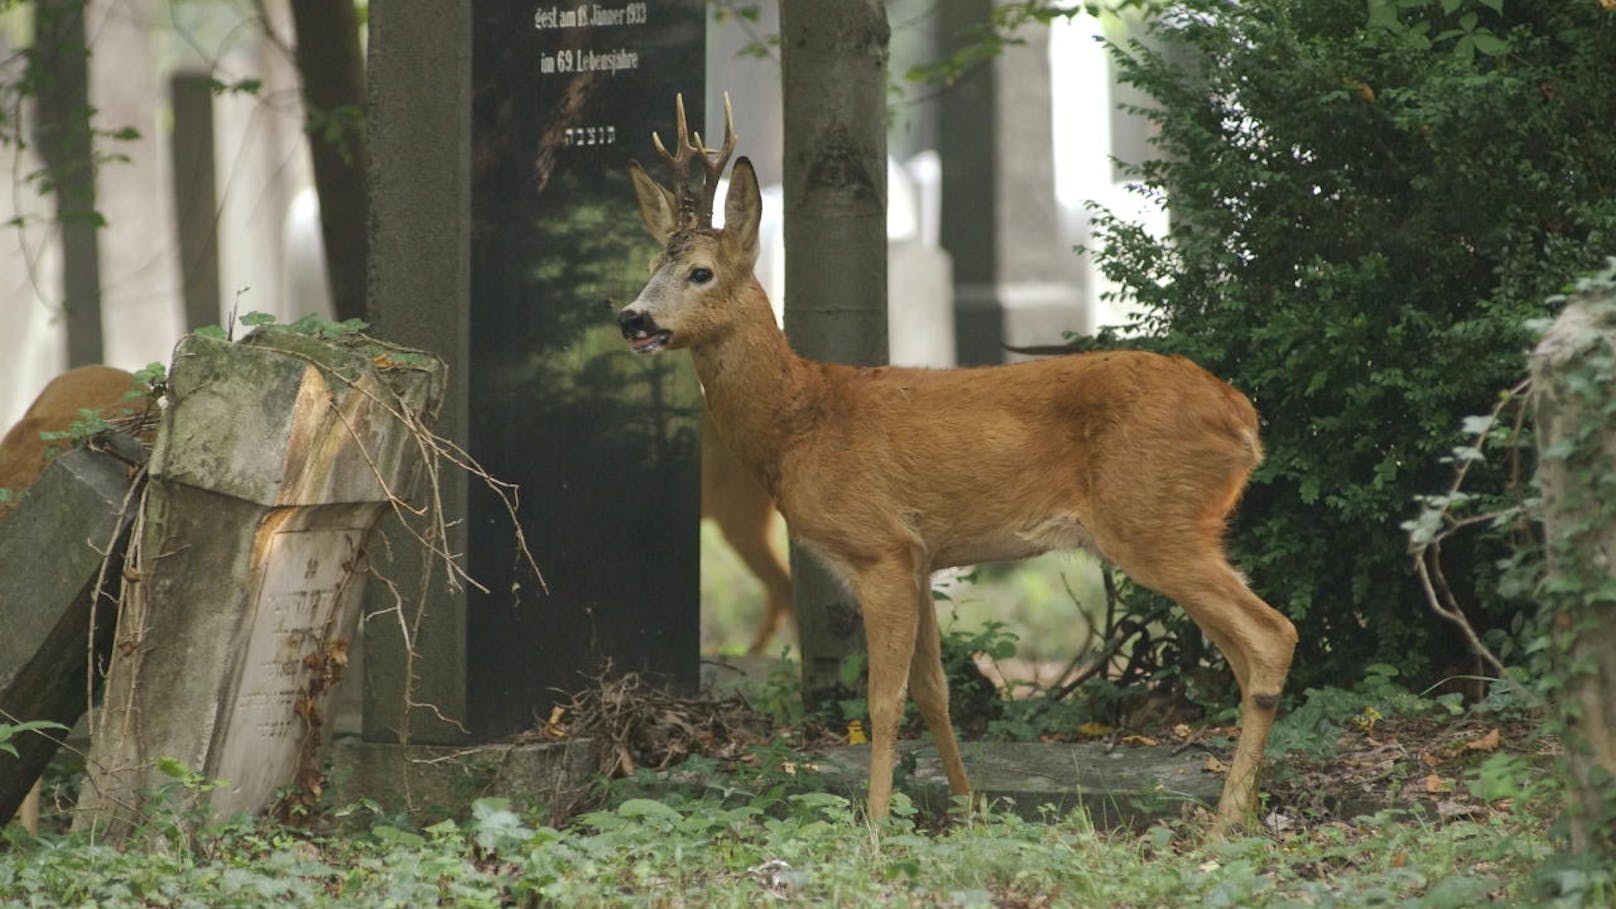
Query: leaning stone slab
{"points": [[51, 558], [273, 462]]}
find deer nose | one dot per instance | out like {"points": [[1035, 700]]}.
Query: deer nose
{"points": [[632, 322]]}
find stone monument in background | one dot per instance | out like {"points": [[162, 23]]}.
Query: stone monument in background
{"points": [[1016, 280]]}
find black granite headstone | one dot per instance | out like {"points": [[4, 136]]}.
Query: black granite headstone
{"points": [[603, 444]]}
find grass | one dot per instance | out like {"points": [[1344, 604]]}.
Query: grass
{"points": [[806, 849], [752, 833]]}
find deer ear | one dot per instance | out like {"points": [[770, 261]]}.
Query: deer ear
{"points": [[657, 208], [743, 210]]}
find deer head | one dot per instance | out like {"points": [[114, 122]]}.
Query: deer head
{"points": [[701, 274]]}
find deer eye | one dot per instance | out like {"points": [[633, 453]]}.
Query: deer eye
{"points": [[700, 275]]}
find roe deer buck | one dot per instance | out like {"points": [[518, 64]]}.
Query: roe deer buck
{"points": [[731, 496], [888, 474]]}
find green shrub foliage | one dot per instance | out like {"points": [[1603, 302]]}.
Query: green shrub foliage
{"points": [[1367, 205]]}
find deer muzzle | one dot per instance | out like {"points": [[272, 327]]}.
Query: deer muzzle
{"points": [[641, 331]]}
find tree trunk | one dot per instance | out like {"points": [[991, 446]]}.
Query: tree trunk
{"points": [[333, 73], [195, 196], [62, 133], [833, 56], [1574, 390]]}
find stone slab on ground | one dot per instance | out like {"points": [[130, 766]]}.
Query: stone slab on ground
{"points": [[432, 782], [1127, 787], [51, 550], [1132, 786]]}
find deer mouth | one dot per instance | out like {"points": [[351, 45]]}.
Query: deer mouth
{"points": [[649, 342]]}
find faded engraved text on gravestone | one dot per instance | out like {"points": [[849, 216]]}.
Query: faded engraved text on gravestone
{"points": [[612, 58], [304, 585]]}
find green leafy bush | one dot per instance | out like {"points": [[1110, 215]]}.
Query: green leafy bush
{"points": [[1366, 209]]}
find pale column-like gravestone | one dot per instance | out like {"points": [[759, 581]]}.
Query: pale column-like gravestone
{"points": [[1015, 280], [274, 460]]}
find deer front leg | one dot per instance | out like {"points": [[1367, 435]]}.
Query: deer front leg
{"points": [[888, 592]]}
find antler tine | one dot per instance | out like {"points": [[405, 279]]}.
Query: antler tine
{"points": [[678, 163], [685, 148], [714, 166], [690, 147]]}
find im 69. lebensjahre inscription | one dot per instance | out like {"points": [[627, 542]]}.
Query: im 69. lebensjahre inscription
{"points": [[603, 445]]}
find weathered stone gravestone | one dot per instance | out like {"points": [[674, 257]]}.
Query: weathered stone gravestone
{"points": [[50, 606], [501, 244], [274, 460], [1015, 281]]}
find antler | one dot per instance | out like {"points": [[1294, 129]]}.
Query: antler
{"points": [[712, 164]]}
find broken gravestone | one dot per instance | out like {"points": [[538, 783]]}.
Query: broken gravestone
{"points": [[273, 462], [77, 511]]}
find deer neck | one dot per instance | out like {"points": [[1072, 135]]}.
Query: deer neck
{"points": [[762, 396]]}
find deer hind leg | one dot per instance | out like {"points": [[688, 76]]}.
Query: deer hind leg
{"points": [[1255, 638], [928, 685], [888, 592], [746, 516], [757, 551]]}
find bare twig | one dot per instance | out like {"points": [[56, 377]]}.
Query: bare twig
{"points": [[1439, 595], [98, 590]]}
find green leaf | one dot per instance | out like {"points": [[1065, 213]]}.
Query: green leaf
{"points": [[173, 768], [1490, 44], [647, 809], [393, 835], [9, 731], [850, 670], [1383, 14], [152, 373]]}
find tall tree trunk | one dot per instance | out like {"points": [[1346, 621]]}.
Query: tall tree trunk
{"points": [[63, 135], [333, 73], [833, 57], [1574, 391]]}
